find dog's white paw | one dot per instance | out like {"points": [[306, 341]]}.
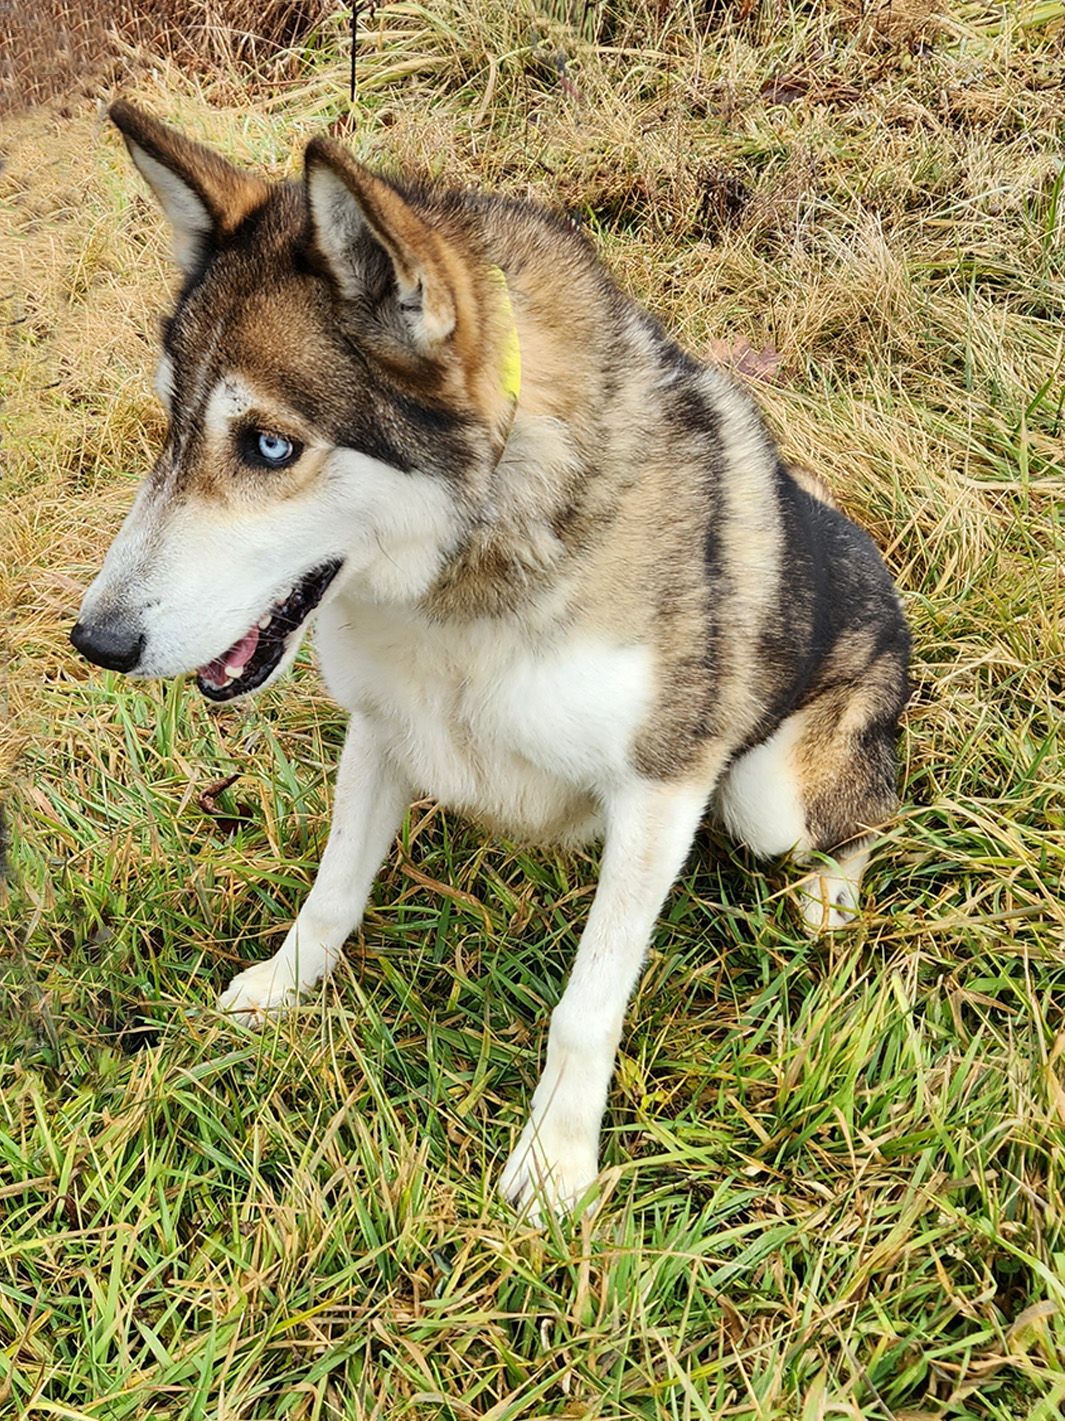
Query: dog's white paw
{"points": [[550, 1169], [830, 898], [829, 902], [261, 992]]}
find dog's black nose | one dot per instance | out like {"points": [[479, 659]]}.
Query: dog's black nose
{"points": [[111, 643]]}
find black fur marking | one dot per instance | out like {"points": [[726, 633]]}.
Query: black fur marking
{"points": [[832, 581], [423, 438]]}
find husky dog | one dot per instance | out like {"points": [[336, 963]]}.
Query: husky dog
{"points": [[563, 580]]}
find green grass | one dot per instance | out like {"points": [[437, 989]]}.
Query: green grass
{"points": [[834, 1171]]}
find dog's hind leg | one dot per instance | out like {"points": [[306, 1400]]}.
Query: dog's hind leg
{"points": [[650, 828], [816, 789], [368, 808]]}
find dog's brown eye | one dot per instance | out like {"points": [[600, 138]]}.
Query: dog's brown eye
{"points": [[266, 449]]}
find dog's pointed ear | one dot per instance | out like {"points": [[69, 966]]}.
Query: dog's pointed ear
{"points": [[204, 197], [347, 204]]}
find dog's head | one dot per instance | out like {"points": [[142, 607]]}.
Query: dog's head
{"points": [[336, 378]]}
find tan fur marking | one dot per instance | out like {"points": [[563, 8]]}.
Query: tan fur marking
{"points": [[814, 484], [846, 790]]}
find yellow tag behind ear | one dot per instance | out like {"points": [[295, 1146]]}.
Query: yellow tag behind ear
{"points": [[511, 371]]}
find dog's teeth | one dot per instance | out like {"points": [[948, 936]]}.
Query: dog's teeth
{"points": [[234, 671], [264, 622]]}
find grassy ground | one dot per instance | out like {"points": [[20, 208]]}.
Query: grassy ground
{"points": [[834, 1171]]}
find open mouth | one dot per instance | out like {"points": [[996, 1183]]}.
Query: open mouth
{"points": [[249, 661]]}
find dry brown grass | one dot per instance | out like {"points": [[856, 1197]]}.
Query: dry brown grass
{"points": [[53, 49]]}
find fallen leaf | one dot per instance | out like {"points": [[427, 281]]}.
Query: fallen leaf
{"points": [[741, 356]]}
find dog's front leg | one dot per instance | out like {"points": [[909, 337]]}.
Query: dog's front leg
{"points": [[649, 830], [368, 809]]}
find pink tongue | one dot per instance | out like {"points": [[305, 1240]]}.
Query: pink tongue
{"points": [[238, 655]]}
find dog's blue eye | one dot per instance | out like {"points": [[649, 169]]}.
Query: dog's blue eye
{"points": [[266, 449], [275, 448]]}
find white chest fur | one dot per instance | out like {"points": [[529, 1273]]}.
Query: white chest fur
{"points": [[524, 736]]}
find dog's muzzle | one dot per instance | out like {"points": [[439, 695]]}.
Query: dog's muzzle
{"points": [[253, 659]]}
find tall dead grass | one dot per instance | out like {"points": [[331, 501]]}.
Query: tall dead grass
{"points": [[53, 48]]}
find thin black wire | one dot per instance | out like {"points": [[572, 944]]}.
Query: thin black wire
{"points": [[354, 46]]}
